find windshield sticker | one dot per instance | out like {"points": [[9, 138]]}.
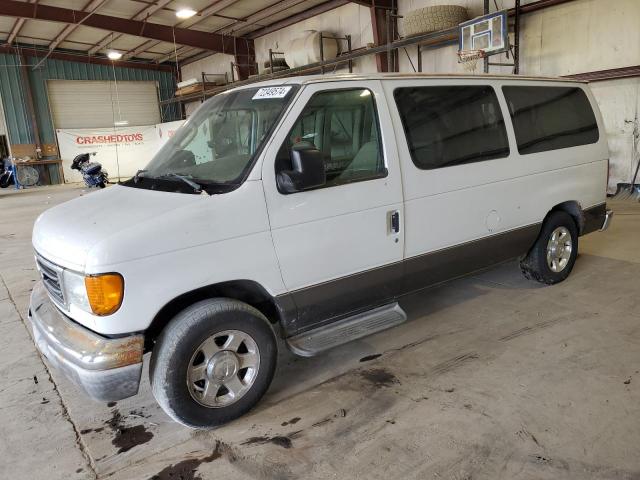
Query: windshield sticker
{"points": [[271, 92]]}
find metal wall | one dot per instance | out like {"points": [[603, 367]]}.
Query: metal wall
{"points": [[14, 101]]}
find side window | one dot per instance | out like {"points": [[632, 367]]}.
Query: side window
{"points": [[454, 125], [549, 118], [343, 126]]}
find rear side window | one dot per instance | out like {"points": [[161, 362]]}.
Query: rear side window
{"points": [[454, 125], [549, 118]]}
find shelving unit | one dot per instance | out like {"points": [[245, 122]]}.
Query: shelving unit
{"points": [[420, 42]]}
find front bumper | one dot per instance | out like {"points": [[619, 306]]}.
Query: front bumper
{"points": [[105, 369]]}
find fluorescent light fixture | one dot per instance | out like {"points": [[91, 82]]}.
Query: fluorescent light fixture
{"points": [[121, 123], [113, 55], [185, 13]]}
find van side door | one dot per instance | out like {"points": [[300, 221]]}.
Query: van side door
{"points": [[339, 245], [462, 185]]}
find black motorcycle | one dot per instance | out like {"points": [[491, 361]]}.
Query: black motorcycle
{"points": [[6, 173], [92, 172]]}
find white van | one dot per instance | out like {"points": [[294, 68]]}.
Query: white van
{"points": [[307, 208]]}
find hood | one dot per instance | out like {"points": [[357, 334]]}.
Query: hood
{"points": [[120, 224]]}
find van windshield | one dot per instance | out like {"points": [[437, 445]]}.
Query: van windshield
{"points": [[215, 148]]}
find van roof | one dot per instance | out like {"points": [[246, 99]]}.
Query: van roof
{"points": [[307, 79]]}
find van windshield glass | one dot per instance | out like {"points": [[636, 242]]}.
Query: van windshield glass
{"points": [[217, 145]]}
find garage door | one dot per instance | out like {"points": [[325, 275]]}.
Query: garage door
{"points": [[97, 104]]}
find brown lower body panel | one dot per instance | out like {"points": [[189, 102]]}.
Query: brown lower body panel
{"points": [[336, 299]]}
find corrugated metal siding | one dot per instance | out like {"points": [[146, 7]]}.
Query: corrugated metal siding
{"points": [[14, 100]]}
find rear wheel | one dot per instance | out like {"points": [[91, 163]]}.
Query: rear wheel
{"points": [[213, 362], [552, 257]]}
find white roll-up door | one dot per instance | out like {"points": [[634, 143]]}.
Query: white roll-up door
{"points": [[97, 104]]}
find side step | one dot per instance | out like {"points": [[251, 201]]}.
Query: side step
{"points": [[309, 344]]}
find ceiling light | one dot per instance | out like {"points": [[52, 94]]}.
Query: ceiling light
{"points": [[121, 123], [113, 55], [184, 13]]}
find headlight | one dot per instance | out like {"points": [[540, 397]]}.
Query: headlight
{"points": [[75, 291], [97, 294], [105, 292]]}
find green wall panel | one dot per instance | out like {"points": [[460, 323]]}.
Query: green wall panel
{"points": [[14, 100]]}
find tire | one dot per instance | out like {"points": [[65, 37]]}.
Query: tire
{"points": [[6, 179], [432, 19], [185, 339], [536, 265], [101, 185]]}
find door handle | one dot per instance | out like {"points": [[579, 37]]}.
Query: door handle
{"points": [[394, 223]]}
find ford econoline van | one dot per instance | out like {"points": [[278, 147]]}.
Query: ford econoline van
{"points": [[307, 208]]}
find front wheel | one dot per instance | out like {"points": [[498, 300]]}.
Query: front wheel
{"points": [[213, 362], [6, 179], [552, 257]]}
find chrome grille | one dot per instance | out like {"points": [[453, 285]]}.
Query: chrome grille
{"points": [[51, 277]]}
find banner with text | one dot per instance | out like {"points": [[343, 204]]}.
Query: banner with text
{"points": [[121, 151], [166, 130]]}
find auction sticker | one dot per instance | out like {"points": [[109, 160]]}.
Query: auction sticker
{"points": [[271, 92]]}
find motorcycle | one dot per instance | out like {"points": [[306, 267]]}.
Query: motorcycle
{"points": [[25, 174], [92, 172], [6, 173]]}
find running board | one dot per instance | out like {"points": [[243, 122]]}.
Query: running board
{"points": [[311, 343]]}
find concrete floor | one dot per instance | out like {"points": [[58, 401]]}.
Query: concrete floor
{"points": [[493, 377]]}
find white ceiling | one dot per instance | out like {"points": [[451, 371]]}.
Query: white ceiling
{"points": [[232, 17]]}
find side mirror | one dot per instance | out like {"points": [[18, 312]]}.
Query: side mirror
{"points": [[307, 170]]}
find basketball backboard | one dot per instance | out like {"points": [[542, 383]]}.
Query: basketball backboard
{"points": [[488, 33]]}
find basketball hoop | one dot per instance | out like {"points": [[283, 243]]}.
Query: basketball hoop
{"points": [[469, 58]]}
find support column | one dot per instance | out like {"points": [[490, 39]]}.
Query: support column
{"points": [[384, 26], [486, 59], [244, 57], [516, 40]]}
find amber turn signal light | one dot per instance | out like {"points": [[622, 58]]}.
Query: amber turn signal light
{"points": [[105, 292]]}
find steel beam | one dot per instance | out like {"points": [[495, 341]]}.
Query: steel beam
{"points": [[611, 74], [206, 41], [17, 27], [141, 15], [383, 23], [440, 37], [373, 3], [298, 17], [90, 7], [208, 11], [38, 53]]}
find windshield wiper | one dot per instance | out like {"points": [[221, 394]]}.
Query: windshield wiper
{"points": [[137, 177], [196, 186]]}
